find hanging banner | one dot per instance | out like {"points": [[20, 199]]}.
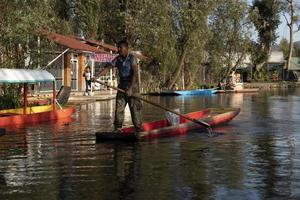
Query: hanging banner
{"points": [[105, 58]]}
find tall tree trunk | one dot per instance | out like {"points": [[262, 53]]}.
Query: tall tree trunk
{"points": [[234, 67], [192, 77], [290, 25], [288, 65], [178, 69]]}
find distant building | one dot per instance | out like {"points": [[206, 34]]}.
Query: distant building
{"points": [[295, 68], [68, 67], [274, 67]]}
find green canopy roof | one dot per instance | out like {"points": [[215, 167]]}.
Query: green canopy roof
{"points": [[25, 76], [295, 64]]}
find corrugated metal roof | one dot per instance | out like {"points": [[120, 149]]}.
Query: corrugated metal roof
{"points": [[103, 45], [276, 57], [25, 76], [71, 42], [109, 47], [77, 43]]}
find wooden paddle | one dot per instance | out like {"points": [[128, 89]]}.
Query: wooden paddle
{"points": [[2, 131], [159, 106]]}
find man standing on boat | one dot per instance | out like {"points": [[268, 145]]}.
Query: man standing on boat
{"points": [[126, 64]]}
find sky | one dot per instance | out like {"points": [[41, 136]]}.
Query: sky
{"points": [[283, 31]]}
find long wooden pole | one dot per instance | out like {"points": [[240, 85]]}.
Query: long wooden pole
{"points": [[54, 95], [25, 98], [57, 57], [159, 106]]}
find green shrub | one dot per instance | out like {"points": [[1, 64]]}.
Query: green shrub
{"points": [[10, 97]]}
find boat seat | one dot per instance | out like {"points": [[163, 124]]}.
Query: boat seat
{"points": [[172, 118], [63, 95], [7, 114], [2, 131]]}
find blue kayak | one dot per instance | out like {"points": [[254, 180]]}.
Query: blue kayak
{"points": [[196, 92], [190, 92]]}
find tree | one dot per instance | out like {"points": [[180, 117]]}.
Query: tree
{"points": [[19, 23], [265, 15], [87, 17], [190, 28], [64, 9], [174, 34], [149, 28], [290, 9], [284, 47], [230, 37], [168, 31], [83, 16], [112, 20]]}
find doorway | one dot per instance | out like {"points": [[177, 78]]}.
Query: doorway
{"points": [[74, 74]]}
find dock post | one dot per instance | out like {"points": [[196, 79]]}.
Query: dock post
{"points": [[25, 99]]}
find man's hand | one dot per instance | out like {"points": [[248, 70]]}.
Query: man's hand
{"points": [[102, 72], [129, 92], [94, 79]]}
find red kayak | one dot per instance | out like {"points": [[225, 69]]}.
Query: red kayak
{"points": [[162, 128]]}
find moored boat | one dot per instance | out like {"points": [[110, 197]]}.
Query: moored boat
{"points": [[26, 114], [163, 128], [196, 92], [34, 115], [185, 92], [250, 90], [236, 87]]}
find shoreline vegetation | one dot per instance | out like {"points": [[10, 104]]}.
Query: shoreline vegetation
{"points": [[188, 44], [259, 85]]}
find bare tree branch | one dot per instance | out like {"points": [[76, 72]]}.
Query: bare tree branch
{"points": [[286, 19]]}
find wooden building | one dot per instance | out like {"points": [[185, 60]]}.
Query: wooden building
{"points": [[79, 53]]}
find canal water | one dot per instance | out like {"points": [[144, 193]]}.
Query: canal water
{"points": [[256, 156]]}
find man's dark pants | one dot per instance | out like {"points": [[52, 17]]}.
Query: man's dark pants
{"points": [[88, 85], [135, 106]]}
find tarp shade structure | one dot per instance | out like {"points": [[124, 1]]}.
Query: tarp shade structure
{"points": [[104, 58], [25, 76], [295, 64]]}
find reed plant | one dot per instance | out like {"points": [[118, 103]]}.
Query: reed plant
{"points": [[10, 97]]}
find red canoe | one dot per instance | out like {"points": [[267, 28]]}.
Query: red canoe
{"points": [[162, 128]]}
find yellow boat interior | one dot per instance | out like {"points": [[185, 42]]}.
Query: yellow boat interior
{"points": [[30, 110]]}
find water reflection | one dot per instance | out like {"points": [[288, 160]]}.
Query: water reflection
{"points": [[256, 157]]}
